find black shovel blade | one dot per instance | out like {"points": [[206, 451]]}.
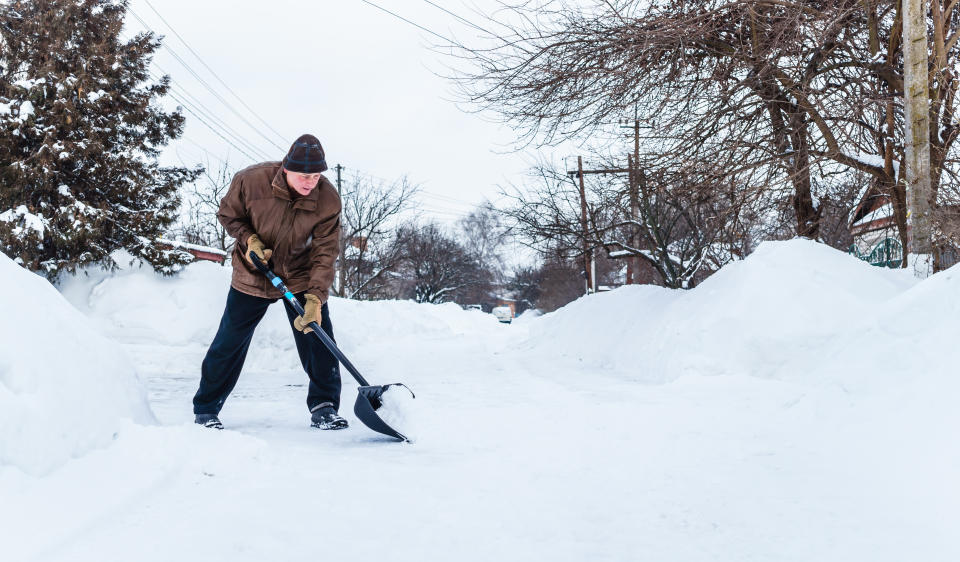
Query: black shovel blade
{"points": [[366, 406]]}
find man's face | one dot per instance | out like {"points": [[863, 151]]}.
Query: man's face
{"points": [[302, 183]]}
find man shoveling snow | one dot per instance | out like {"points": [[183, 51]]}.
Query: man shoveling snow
{"points": [[287, 213]]}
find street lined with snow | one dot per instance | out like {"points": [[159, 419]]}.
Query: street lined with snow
{"points": [[765, 415]]}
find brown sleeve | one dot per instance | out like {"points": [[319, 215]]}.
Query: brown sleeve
{"points": [[323, 255], [233, 213]]}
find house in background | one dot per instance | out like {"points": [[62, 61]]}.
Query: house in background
{"points": [[875, 236], [198, 252]]}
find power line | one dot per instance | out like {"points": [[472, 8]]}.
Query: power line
{"points": [[214, 130], [464, 20], [209, 155], [215, 75], [185, 98], [205, 84], [417, 25], [199, 106], [194, 110]]}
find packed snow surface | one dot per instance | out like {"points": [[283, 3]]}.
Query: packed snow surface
{"points": [[799, 405]]}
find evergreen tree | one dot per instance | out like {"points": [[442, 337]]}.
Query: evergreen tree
{"points": [[80, 133]]}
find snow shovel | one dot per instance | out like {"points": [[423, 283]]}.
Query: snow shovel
{"points": [[368, 400]]}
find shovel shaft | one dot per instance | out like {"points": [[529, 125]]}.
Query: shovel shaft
{"points": [[327, 341]]}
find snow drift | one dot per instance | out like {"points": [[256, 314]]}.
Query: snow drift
{"points": [[184, 311], [769, 315], [64, 388]]}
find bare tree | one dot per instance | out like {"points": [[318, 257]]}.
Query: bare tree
{"points": [[483, 234], [683, 224], [526, 285], [795, 87], [561, 282], [371, 249], [734, 74], [436, 267], [202, 201]]}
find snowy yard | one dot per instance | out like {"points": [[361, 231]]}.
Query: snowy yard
{"points": [[797, 406]]}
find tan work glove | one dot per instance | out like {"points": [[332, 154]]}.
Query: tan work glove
{"points": [[311, 313], [255, 246]]}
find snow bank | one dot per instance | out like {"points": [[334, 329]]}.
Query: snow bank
{"points": [[913, 334], [136, 304], [764, 316], [64, 388]]}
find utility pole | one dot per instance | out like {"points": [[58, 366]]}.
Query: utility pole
{"points": [[342, 273], [633, 264], [587, 255], [635, 178], [917, 122], [588, 264]]}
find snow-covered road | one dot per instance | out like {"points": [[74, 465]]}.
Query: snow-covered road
{"points": [[525, 450]]}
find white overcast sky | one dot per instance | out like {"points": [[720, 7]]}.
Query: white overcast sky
{"points": [[364, 82]]}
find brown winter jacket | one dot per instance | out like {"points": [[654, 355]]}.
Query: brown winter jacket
{"points": [[303, 232]]}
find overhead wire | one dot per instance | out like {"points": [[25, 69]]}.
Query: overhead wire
{"points": [[204, 83], [464, 20], [199, 106], [200, 112], [192, 105], [417, 25], [215, 75], [215, 131], [205, 116]]}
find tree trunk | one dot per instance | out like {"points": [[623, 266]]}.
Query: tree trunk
{"points": [[917, 124], [808, 215]]}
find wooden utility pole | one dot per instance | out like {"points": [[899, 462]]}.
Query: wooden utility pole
{"points": [[583, 224], [633, 264], [635, 177], [342, 273], [634, 167], [916, 103]]}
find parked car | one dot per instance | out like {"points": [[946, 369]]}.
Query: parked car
{"points": [[503, 313]]}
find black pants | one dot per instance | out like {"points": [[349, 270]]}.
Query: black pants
{"points": [[221, 367]]}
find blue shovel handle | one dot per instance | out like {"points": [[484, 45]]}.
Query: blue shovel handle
{"points": [[329, 343]]}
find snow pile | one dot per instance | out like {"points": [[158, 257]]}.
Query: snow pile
{"points": [[765, 316], [64, 388], [135, 303], [138, 305], [915, 332]]}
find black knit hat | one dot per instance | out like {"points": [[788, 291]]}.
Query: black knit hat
{"points": [[306, 156]]}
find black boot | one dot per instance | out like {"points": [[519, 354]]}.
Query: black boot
{"points": [[208, 420], [324, 416]]}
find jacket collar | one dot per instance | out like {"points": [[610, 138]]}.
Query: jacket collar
{"points": [[282, 191]]}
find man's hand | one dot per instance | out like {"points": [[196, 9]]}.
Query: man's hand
{"points": [[255, 246], [310, 314]]}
